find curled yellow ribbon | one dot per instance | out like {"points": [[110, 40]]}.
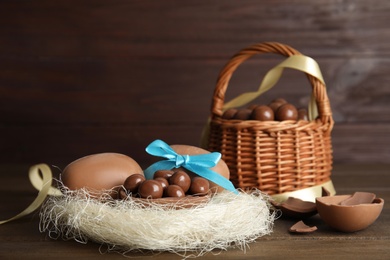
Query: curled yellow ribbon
{"points": [[43, 183]]}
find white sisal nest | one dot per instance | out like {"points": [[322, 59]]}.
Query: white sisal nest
{"points": [[226, 220]]}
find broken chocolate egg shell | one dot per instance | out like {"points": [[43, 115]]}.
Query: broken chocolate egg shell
{"points": [[296, 208], [301, 227], [359, 198], [221, 167], [348, 218]]}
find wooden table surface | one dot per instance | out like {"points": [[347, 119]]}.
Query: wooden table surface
{"points": [[21, 239]]}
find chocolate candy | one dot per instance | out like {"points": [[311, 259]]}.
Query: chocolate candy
{"points": [[243, 114], [163, 181], [150, 189], [302, 114], [280, 100], [253, 106], [229, 114], [174, 191], [286, 112], [199, 186], [166, 174], [276, 103], [181, 179], [262, 113], [132, 182]]}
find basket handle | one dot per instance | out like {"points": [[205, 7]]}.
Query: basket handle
{"points": [[320, 99]]}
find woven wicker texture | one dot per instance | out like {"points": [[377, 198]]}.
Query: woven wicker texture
{"points": [[274, 156]]}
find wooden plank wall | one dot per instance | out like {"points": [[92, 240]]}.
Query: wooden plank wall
{"points": [[80, 77]]}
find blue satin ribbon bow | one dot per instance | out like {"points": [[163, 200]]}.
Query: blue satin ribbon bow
{"points": [[198, 164]]}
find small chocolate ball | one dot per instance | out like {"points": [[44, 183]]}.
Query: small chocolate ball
{"points": [[243, 114], [174, 191], [182, 179], [132, 182], [229, 114], [199, 186], [302, 114], [280, 100], [150, 189], [252, 106], [166, 174], [286, 112], [275, 106], [163, 181], [263, 113]]}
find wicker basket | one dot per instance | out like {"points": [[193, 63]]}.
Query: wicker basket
{"points": [[273, 156]]}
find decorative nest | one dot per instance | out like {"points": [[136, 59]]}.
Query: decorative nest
{"points": [[225, 220]]}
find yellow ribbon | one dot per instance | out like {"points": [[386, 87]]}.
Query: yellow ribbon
{"points": [[307, 194], [298, 62], [43, 183]]}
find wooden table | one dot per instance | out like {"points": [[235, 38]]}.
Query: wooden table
{"points": [[21, 239]]}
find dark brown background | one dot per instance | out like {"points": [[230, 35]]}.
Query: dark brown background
{"points": [[81, 77]]}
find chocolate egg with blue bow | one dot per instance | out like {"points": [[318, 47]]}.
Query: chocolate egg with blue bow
{"points": [[99, 173], [221, 168]]}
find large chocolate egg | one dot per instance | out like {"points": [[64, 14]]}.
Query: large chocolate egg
{"points": [[221, 167], [99, 172]]}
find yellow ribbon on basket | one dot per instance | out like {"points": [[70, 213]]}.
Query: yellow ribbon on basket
{"points": [[41, 178]]}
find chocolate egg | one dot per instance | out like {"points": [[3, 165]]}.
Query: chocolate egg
{"points": [[243, 114], [199, 186], [229, 114], [252, 106], [174, 191], [262, 113], [151, 189], [302, 114], [276, 103], [164, 182], [286, 112], [280, 100], [221, 167], [99, 172], [166, 174], [181, 178], [133, 181]]}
